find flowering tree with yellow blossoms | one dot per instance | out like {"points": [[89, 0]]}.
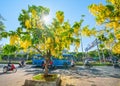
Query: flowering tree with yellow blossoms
{"points": [[109, 15], [48, 40]]}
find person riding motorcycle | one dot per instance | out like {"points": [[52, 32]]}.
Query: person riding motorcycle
{"points": [[9, 67], [22, 63], [87, 63], [115, 62], [9, 64]]}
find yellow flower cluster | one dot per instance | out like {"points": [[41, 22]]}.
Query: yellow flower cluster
{"points": [[25, 44], [60, 16], [33, 13], [109, 43], [57, 40], [118, 36], [100, 11], [88, 32], [77, 44], [42, 46], [48, 40], [96, 9], [114, 25], [14, 39], [76, 30], [108, 15], [28, 24], [103, 13], [113, 1], [116, 48]]}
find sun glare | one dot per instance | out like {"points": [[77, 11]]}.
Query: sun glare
{"points": [[46, 19]]}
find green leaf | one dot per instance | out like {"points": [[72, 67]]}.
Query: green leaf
{"points": [[110, 7]]}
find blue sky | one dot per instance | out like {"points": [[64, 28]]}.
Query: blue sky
{"points": [[73, 9]]}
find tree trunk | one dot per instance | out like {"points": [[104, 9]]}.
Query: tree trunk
{"points": [[46, 67]]}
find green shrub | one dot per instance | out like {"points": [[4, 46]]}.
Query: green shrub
{"points": [[95, 64], [29, 62], [0, 58], [6, 62], [79, 63]]}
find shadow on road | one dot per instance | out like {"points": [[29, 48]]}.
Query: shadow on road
{"points": [[76, 71], [36, 70], [33, 71], [98, 72], [115, 76], [9, 72], [2, 73]]}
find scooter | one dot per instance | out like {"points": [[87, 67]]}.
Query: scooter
{"points": [[11, 68], [21, 65], [116, 65], [88, 65]]}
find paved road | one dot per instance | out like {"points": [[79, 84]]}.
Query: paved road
{"points": [[18, 78]]}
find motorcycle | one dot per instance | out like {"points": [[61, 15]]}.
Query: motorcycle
{"points": [[11, 68], [21, 65], [116, 65], [88, 66]]}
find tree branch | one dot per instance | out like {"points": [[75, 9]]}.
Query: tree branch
{"points": [[37, 49]]}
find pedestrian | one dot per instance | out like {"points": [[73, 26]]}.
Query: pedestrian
{"points": [[72, 63]]}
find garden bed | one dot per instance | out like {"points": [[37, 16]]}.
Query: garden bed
{"points": [[41, 80]]}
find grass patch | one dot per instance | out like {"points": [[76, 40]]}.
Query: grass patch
{"points": [[79, 63], [42, 77], [15, 62]]}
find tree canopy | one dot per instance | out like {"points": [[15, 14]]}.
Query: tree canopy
{"points": [[47, 39], [109, 16]]}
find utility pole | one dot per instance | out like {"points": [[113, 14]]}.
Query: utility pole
{"points": [[103, 55], [82, 47]]}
